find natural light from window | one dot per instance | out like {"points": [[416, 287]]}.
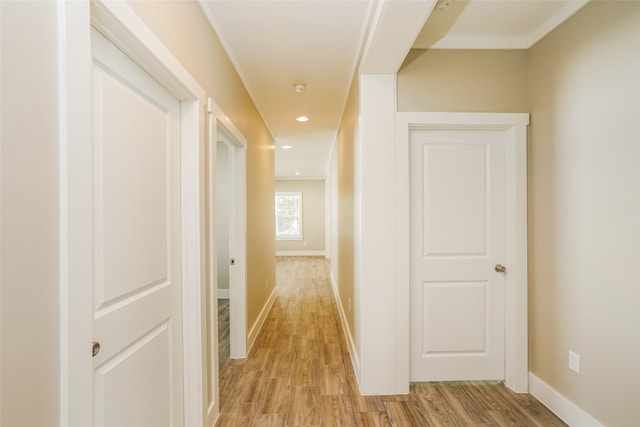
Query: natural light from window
{"points": [[288, 216]]}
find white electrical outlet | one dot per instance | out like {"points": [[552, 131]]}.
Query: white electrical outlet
{"points": [[574, 362]]}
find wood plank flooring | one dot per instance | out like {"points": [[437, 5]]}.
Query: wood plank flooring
{"points": [[299, 373]]}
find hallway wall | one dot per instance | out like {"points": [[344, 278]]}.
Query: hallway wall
{"points": [[346, 143], [464, 81], [29, 259], [185, 30]]}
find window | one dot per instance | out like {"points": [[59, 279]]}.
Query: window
{"points": [[288, 216]]}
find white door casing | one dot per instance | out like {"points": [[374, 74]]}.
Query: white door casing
{"points": [[513, 126], [225, 130], [127, 32], [457, 237], [221, 127]]}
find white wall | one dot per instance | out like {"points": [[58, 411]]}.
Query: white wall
{"points": [[375, 236], [29, 215]]}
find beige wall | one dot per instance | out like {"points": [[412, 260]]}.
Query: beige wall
{"points": [[584, 210], [582, 88], [29, 290], [313, 212], [29, 216], [183, 27], [464, 80], [346, 140]]}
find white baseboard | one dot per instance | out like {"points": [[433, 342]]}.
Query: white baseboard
{"points": [[300, 253], [257, 326], [355, 362], [568, 411], [223, 293]]}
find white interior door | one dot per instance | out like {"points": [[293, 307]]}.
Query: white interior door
{"points": [[138, 372], [457, 239]]}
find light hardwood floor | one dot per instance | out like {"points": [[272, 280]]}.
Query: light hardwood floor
{"points": [[299, 373]]}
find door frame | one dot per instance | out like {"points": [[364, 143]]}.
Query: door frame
{"points": [[514, 126], [221, 126], [237, 229], [124, 28]]}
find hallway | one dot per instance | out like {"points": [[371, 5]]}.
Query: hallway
{"points": [[299, 373]]}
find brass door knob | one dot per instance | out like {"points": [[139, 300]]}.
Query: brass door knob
{"points": [[500, 268]]}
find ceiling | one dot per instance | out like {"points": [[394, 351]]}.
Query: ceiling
{"points": [[276, 44]]}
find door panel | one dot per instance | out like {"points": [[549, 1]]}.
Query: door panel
{"points": [[455, 204], [138, 377], [132, 194], [462, 306], [121, 402], [457, 222]]}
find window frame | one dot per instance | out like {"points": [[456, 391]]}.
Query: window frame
{"points": [[298, 216]]}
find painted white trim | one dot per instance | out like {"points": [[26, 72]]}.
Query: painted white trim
{"points": [[300, 253], [394, 27], [516, 286], [212, 402], [568, 411], [221, 128], [227, 124], [374, 236], [517, 277], [257, 326], [124, 28], [355, 360], [74, 84]]}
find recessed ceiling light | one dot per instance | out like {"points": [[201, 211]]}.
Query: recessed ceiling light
{"points": [[302, 119], [286, 147], [297, 173]]}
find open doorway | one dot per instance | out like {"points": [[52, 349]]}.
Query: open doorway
{"points": [[231, 233], [226, 251], [224, 260]]}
